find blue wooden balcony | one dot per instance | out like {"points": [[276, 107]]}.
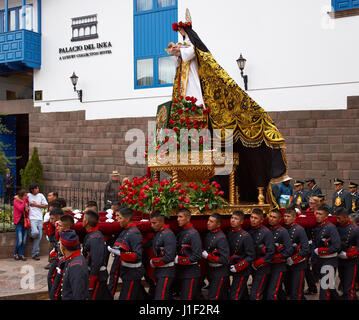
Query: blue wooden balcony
{"points": [[20, 50], [20, 38]]}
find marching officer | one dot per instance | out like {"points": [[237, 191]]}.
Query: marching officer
{"points": [[300, 198], [294, 279], [326, 246], [75, 275], [128, 259], [353, 189], [241, 256], [349, 255], [283, 250], [314, 189], [216, 253], [264, 250], [341, 197], [94, 252], [189, 254], [164, 249]]}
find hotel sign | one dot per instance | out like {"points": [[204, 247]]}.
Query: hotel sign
{"points": [[83, 29]]}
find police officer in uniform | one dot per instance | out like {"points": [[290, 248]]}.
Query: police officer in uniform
{"points": [[326, 246], [283, 250], [128, 259], [164, 249], [216, 253], [349, 255], [341, 197], [75, 282], [314, 189], [94, 252], [264, 250], [353, 189], [294, 279], [189, 254], [300, 197], [241, 256]]}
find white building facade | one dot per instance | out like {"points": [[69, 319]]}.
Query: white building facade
{"points": [[298, 56]]}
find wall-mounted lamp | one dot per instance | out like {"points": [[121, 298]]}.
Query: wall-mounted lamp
{"points": [[74, 78], [241, 64]]}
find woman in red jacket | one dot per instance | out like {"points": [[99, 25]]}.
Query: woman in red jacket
{"points": [[21, 209]]}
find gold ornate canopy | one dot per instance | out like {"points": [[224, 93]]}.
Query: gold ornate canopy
{"points": [[232, 108]]}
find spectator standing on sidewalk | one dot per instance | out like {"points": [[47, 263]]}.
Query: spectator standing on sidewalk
{"points": [[37, 202], [21, 210]]}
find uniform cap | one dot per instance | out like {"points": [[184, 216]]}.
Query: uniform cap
{"points": [[338, 181], [298, 183], [69, 238], [310, 180], [353, 185]]}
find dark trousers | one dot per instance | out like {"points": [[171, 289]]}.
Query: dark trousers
{"points": [[131, 290], [327, 269], [275, 281], [101, 291], [239, 289], [347, 275], [189, 288], [259, 284], [218, 285], [114, 275], [294, 281], [311, 275], [163, 287]]}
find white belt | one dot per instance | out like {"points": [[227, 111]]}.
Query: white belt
{"points": [[131, 265], [329, 255], [170, 264], [214, 265]]}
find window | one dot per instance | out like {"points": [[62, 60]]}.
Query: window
{"points": [[152, 32], [345, 4], [15, 21], [344, 8]]}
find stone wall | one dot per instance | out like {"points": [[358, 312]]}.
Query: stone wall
{"points": [[82, 153]]}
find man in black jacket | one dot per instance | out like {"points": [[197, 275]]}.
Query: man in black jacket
{"points": [[75, 273], [241, 256], [94, 252], [189, 254], [265, 250], [216, 253], [164, 250]]}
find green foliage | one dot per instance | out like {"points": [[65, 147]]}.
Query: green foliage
{"points": [[6, 216], [33, 171], [4, 161]]}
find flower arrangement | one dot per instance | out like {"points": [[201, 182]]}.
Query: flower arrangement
{"points": [[146, 195], [185, 114], [176, 26]]}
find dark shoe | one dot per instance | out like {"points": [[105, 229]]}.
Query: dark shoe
{"points": [[21, 257], [311, 292], [37, 258], [16, 257], [47, 267]]}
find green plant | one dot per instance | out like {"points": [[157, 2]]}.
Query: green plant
{"points": [[33, 171]]}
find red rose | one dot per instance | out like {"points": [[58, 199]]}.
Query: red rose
{"points": [[174, 26], [181, 206], [171, 122], [180, 111], [188, 98], [187, 200], [194, 109], [172, 189], [204, 181], [175, 129], [175, 100], [207, 207]]}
